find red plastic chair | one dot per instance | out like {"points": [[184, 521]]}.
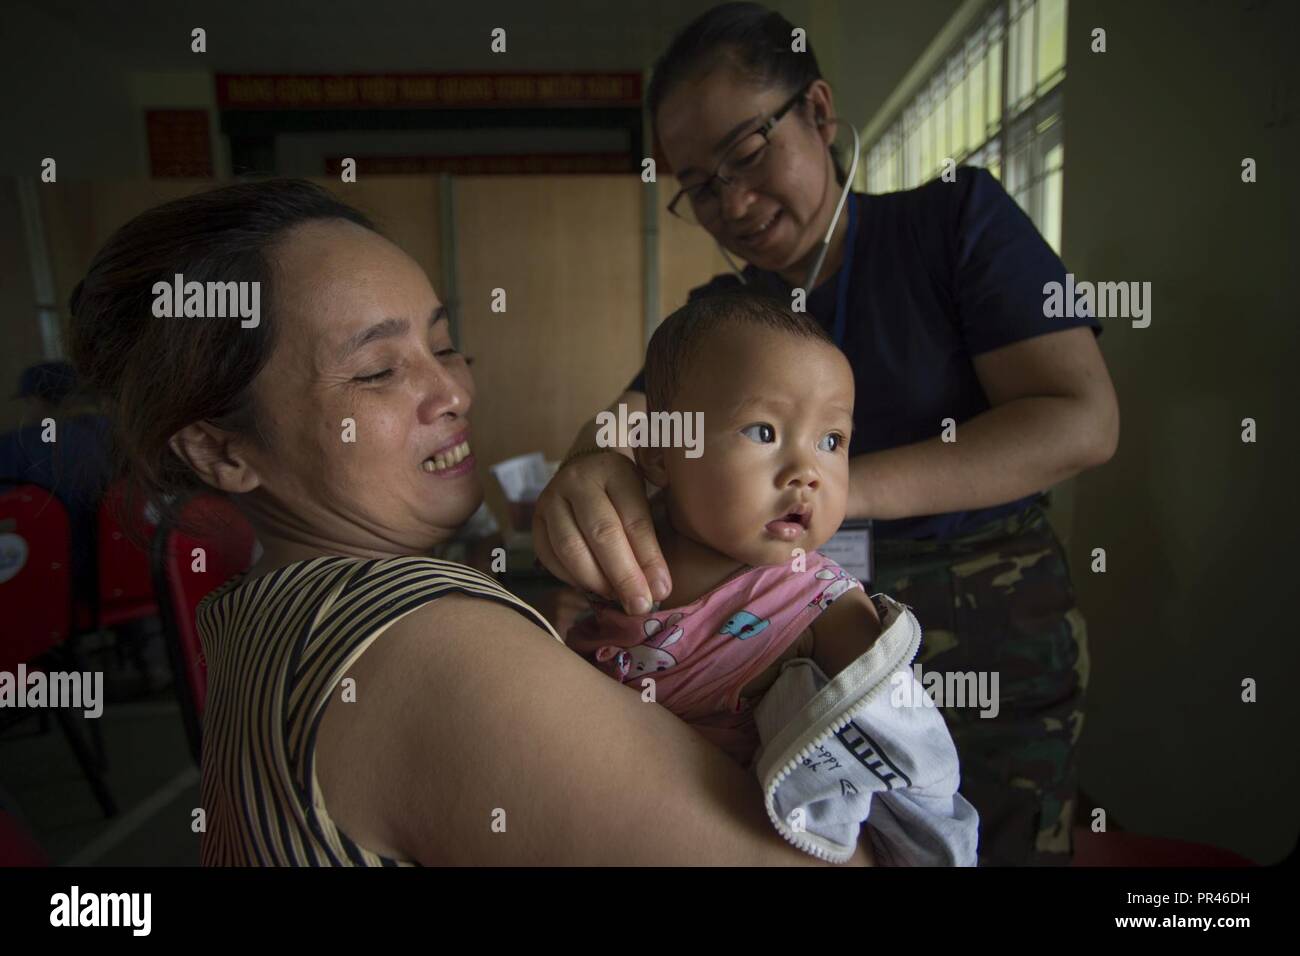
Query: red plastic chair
{"points": [[126, 591], [207, 543], [36, 604], [35, 577]]}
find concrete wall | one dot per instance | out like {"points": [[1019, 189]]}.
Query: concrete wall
{"points": [[64, 95], [1198, 527], [874, 47]]}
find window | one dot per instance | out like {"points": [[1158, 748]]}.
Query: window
{"points": [[973, 112]]}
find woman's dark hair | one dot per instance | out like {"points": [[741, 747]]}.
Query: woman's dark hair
{"points": [[751, 39], [676, 343], [157, 375]]}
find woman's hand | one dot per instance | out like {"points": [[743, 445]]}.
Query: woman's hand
{"points": [[592, 528]]}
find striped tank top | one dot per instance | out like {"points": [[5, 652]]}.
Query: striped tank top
{"points": [[277, 647]]}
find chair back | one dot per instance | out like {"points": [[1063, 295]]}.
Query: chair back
{"points": [[126, 590], [35, 576], [207, 543]]}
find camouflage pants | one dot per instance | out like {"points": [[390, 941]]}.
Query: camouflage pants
{"points": [[1000, 600]]}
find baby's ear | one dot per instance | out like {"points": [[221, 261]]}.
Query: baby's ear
{"points": [[651, 463]]}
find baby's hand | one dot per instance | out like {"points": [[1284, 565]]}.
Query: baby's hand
{"points": [[845, 631]]}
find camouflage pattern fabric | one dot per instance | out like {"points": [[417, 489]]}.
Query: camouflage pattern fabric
{"points": [[1000, 600]]}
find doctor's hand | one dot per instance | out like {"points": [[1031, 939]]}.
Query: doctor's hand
{"points": [[592, 528]]}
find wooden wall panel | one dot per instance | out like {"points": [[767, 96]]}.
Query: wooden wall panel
{"points": [[567, 250], [688, 257]]}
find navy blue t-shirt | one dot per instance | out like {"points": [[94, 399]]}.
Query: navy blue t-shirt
{"points": [[940, 273]]}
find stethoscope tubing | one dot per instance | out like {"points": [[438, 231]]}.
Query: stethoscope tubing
{"points": [[816, 269]]}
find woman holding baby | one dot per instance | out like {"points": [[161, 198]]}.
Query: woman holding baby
{"points": [[967, 404], [472, 735]]}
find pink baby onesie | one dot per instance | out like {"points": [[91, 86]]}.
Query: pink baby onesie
{"points": [[703, 654]]}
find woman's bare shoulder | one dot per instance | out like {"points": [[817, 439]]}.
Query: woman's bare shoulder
{"points": [[405, 686], [458, 637]]}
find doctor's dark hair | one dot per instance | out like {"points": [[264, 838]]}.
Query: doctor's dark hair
{"points": [[752, 40], [157, 375], [676, 344]]}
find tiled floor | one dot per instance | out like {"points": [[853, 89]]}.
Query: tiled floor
{"points": [[150, 773]]}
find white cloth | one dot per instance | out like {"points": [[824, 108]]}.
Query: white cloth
{"points": [[830, 746]]}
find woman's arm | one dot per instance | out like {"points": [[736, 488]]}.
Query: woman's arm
{"points": [[1054, 414], [466, 714]]}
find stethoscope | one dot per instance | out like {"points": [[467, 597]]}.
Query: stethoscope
{"points": [[842, 292]]}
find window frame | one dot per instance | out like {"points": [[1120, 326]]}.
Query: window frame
{"points": [[907, 152]]}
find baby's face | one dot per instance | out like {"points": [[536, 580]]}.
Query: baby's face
{"points": [[774, 473]]}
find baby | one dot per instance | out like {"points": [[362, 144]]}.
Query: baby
{"points": [[728, 651], [740, 525]]}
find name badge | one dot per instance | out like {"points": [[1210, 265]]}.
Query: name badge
{"points": [[850, 548]]}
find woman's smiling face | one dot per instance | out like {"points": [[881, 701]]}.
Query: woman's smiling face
{"points": [[775, 220], [363, 404]]}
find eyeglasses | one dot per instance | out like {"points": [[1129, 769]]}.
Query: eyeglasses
{"points": [[701, 205]]}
